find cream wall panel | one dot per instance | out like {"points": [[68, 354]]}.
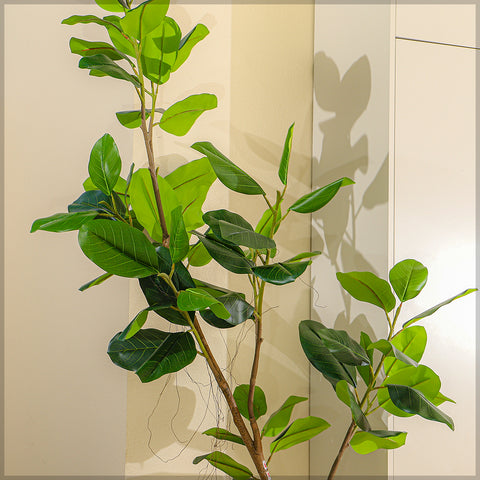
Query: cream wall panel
{"points": [[454, 22], [65, 402], [350, 138], [434, 222]]}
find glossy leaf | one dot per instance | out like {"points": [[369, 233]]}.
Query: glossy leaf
{"points": [[222, 434], [283, 169], [227, 172], [367, 287], [96, 281], [136, 324], [151, 353], [105, 164], [118, 248], [87, 49], [226, 464], [259, 402], [280, 273], [279, 419], [179, 245], [413, 401], [366, 370], [303, 256], [75, 19], [311, 202], [91, 201], [239, 311], [389, 350], [133, 118], [107, 66], [432, 310], [367, 442], [264, 226], [145, 18], [191, 183], [301, 430], [348, 398], [112, 5], [198, 33], [119, 187], [180, 117], [408, 279], [319, 355], [411, 342], [120, 40], [198, 299], [198, 255], [229, 258], [63, 222]]}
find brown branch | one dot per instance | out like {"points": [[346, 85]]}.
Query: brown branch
{"points": [[344, 446]]}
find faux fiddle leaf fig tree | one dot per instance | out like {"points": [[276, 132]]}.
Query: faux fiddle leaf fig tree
{"points": [[151, 226], [393, 379]]}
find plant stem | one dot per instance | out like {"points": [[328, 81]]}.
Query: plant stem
{"points": [[344, 446]]}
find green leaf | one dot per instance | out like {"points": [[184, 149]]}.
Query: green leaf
{"points": [[348, 398], [180, 117], [320, 357], [226, 464], [178, 236], [198, 33], [87, 49], [389, 350], [227, 172], [95, 281], [107, 66], [259, 402], [191, 183], [279, 419], [441, 398], [432, 310], [283, 169], [91, 201], [151, 353], [230, 258], [411, 342], [302, 256], [222, 434], [111, 5], [366, 370], [280, 273], [133, 118], [421, 378], [264, 226], [239, 311], [198, 255], [135, 325], [63, 222], [118, 248], [145, 18], [299, 431], [105, 164], [311, 202], [367, 287], [408, 279], [120, 40], [367, 442], [413, 401], [198, 299], [75, 19]]}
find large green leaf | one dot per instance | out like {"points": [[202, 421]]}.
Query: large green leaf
{"points": [[367, 287], [408, 279], [91, 201], [279, 419], [432, 310], [198, 255], [226, 464], [120, 40], [411, 342], [112, 5], [87, 49], [198, 299], [280, 273], [222, 434], [179, 245], [151, 353], [367, 442], [264, 226], [422, 378], [232, 228], [228, 257], [105, 164], [413, 401], [191, 183], [133, 118], [63, 222], [180, 117], [198, 33], [344, 393], [311, 202], [389, 350], [118, 248], [320, 357], [120, 186], [283, 169], [145, 18], [136, 324], [301, 430], [239, 311], [96, 281], [227, 172], [259, 402], [107, 66]]}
